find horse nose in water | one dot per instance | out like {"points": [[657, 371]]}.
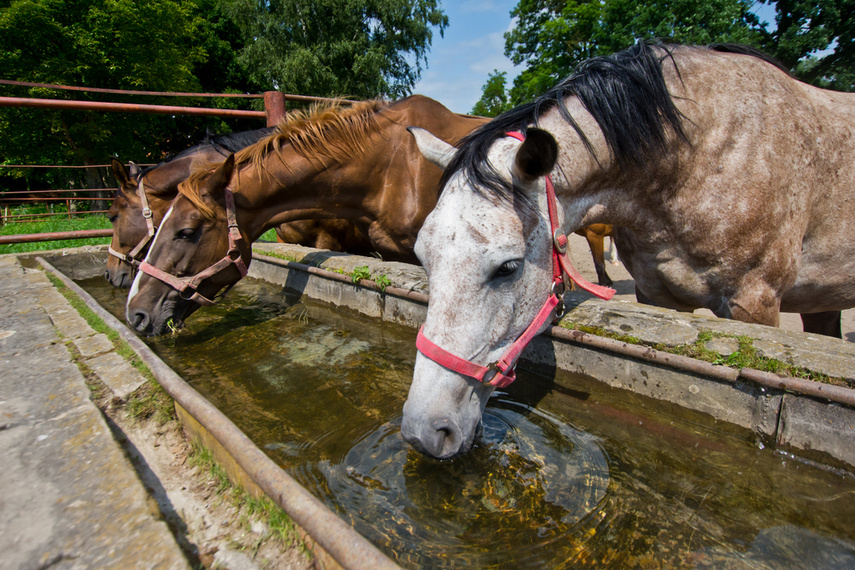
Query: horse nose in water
{"points": [[439, 438], [139, 320]]}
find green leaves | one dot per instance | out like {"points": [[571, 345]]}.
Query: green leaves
{"points": [[357, 48], [814, 38], [552, 37]]}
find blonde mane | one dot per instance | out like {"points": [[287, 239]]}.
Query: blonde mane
{"points": [[330, 131]]}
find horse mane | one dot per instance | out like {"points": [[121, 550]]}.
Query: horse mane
{"points": [[324, 131], [624, 92], [225, 144], [228, 143]]}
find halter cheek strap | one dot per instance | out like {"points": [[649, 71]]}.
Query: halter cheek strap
{"points": [[188, 287], [503, 371], [133, 256]]}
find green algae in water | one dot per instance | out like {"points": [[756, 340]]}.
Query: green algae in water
{"points": [[560, 479]]}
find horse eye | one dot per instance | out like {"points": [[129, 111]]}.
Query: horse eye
{"points": [[508, 268], [186, 234], [113, 219]]}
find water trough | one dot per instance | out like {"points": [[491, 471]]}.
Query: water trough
{"points": [[813, 422]]}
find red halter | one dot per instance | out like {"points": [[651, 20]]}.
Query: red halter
{"points": [[191, 284], [502, 372], [132, 257]]}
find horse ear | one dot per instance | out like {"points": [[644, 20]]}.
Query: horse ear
{"points": [[220, 178], [135, 170], [119, 171], [536, 156], [434, 149]]}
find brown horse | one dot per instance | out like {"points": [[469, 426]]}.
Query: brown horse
{"points": [[160, 183], [595, 235], [357, 163]]}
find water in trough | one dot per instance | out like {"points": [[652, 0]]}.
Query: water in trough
{"points": [[562, 477]]}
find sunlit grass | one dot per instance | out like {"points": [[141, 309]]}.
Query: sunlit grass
{"points": [[54, 225]]}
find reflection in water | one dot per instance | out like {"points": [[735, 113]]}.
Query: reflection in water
{"points": [[513, 484], [588, 477]]}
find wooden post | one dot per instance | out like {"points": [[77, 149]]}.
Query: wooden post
{"points": [[274, 106]]}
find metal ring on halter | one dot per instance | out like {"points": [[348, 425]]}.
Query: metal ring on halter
{"points": [[558, 290]]}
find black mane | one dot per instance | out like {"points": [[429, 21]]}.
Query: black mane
{"points": [[627, 96], [224, 144]]}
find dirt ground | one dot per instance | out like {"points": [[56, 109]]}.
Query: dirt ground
{"points": [[625, 287], [209, 528]]}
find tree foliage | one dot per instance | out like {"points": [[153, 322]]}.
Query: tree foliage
{"points": [[494, 97], [124, 44], [336, 47], [815, 39], [552, 37], [362, 48]]}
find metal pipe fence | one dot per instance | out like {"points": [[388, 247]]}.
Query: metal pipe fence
{"points": [[274, 105]]}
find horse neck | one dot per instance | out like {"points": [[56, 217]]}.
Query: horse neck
{"points": [[284, 187], [592, 187]]}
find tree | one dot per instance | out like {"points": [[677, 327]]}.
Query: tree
{"points": [[359, 48], [553, 36], [363, 48], [815, 39], [131, 44], [494, 98]]}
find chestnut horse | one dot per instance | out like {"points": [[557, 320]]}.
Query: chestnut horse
{"points": [[730, 184], [132, 232], [357, 163]]}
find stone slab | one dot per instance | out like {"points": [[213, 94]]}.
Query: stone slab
{"points": [[69, 498], [117, 373]]}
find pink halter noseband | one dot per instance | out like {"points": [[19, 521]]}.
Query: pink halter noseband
{"points": [[502, 372], [191, 284], [132, 257]]}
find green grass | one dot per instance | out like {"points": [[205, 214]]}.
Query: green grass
{"points": [[54, 225], [269, 236], [276, 519]]}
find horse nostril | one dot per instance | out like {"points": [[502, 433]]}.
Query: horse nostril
{"points": [[139, 320], [445, 439]]}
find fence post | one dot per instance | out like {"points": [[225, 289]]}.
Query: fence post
{"points": [[274, 106]]}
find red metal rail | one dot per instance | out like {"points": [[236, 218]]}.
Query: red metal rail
{"points": [[55, 236], [274, 104]]}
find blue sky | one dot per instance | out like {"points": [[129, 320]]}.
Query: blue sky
{"points": [[473, 46]]}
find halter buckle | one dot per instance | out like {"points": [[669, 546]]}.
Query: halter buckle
{"points": [[494, 370], [559, 241]]}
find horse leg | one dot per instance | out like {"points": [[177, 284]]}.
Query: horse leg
{"points": [[613, 256], [595, 243], [827, 323]]}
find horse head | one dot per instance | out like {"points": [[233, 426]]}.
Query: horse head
{"points": [[129, 227], [488, 261], [197, 251]]}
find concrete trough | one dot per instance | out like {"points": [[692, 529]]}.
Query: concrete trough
{"points": [[810, 419], [807, 419]]}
